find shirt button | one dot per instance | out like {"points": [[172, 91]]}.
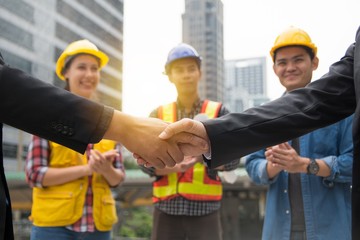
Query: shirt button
{"points": [[285, 191], [71, 132], [64, 130], [58, 127], [287, 211]]}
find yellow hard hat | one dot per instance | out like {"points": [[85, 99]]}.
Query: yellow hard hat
{"points": [[293, 37], [81, 46]]}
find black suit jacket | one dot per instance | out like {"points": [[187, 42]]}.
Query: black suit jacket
{"points": [[49, 112], [322, 102]]}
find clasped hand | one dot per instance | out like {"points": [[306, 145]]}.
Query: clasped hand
{"points": [[101, 163], [186, 137], [285, 157]]}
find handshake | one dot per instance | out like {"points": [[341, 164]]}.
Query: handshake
{"points": [[157, 143]]}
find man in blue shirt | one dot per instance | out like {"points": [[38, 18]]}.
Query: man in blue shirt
{"points": [[310, 177]]}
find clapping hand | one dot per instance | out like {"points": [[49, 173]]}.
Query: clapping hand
{"points": [[285, 157], [102, 162]]}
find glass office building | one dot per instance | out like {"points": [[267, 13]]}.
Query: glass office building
{"points": [[203, 29], [35, 32], [245, 83]]}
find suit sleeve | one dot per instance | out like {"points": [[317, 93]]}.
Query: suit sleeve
{"points": [[232, 164], [50, 112], [303, 110]]}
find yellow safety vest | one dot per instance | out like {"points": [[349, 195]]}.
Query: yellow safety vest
{"points": [[194, 184], [62, 205]]}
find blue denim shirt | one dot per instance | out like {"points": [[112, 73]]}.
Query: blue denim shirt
{"points": [[327, 201]]}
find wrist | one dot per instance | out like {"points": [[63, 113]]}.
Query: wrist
{"points": [[87, 170], [312, 167], [120, 127], [272, 170], [306, 165]]}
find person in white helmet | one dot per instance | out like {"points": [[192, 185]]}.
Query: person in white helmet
{"points": [[308, 178], [72, 198], [187, 197]]}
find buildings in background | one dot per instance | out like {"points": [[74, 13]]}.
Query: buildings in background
{"points": [[245, 83], [35, 32], [203, 29], [240, 83]]}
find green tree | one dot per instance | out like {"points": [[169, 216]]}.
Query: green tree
{"points": [[137, 222]]}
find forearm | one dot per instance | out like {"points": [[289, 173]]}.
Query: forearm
{"points": [[57, 176], [127, 129], [117, 127], [256, 167], [272, 170], [114, 176], [324, 170]]}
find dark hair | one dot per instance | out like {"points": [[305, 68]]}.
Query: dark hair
{"points": [[67, 85], [307, 49], [69, 60]]}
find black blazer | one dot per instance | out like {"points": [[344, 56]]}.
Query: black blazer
{"points": [[322, 102], [49, 112]]}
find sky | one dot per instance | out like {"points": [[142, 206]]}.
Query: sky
{"points": [[152, 28]]}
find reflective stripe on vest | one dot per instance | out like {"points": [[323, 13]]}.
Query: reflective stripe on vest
{"points": [[194, 184]]}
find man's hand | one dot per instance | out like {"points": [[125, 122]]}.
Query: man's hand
{"points": [[189, 134], [141, 136], [188, 162], [102, 163], [284, 156], [187, 131]]}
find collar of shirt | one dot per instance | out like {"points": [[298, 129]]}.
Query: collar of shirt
{"points": [[196, 108]]}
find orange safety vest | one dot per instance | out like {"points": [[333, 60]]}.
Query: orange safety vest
{"points": [[194, 184]]}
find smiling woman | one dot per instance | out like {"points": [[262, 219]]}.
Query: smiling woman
{"points": [[52, 169], [79, 66]]}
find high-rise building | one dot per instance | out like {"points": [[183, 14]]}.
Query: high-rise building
{"points": [[245, 83], [203, 29], [35, 32]]}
